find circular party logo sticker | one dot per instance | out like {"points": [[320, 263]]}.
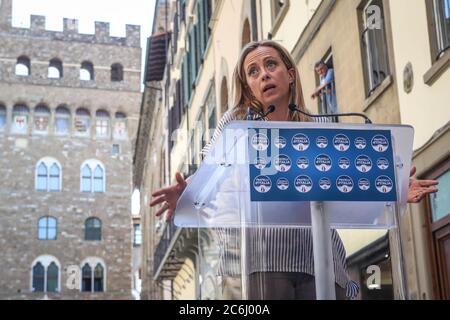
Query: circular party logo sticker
{"points": [[360, 143], [324, 183], [282, 183], [322, 162], [262, 184], [363, 163], [303, 184], [280, 142], [384, 184], [260, 141], [341, 142], [380, 143], [344, 184], [302, 163], [260, 163], [321, 142], [382, 163], [364, 184], [282, 163], [344, 163], [300, 142]]}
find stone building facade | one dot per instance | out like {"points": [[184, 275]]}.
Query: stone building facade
{"points": [[69, 110]]}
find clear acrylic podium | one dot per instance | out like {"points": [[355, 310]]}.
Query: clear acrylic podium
{"points": [[273, 195]]}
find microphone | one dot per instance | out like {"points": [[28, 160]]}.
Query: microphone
{"points": [[269, 111], [249, 114], [293, 108]]}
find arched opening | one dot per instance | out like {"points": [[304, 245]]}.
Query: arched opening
{"points": [[23, 66], [86, 71], [223, 96], [55, 70], [116, 72], [246, 36]]}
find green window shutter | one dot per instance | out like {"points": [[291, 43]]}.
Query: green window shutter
{"points": [[198, 54], [201, 23], [185, 81], [192, 57]]}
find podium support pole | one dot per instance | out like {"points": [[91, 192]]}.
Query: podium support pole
{"points": [[323, 255]]}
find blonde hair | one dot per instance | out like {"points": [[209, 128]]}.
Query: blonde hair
{"points": [[243, 98]]}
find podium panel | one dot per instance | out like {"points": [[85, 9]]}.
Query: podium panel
{"points": [[283, 205]]}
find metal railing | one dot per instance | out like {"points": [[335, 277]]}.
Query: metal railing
{"points": [[163, 245]]}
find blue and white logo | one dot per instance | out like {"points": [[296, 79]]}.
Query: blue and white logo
{"points": [[260, 141], [360, 143], [300, 142], [303, 184], [344, 163], [282, 163], [341, 142], [280, 142], [344, 184], [260, 163], [282, 183], [380, 143], [364, 184], [384, 184], [262, 184], [321, 142], [382, 163], [363, 163], [324, 183], [302, 163], [322, 162]]}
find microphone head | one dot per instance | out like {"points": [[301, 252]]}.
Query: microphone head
{"points": [[292, 107], [271, 108]]}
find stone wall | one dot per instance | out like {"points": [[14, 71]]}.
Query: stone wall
{"points": [[21, 205]]}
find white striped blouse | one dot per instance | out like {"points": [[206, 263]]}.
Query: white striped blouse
{"points": [[275, 249]]}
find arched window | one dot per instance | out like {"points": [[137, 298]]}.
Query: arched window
{"points": [[120, 125], [116, 72], [82, 122], [102, 123], [92, 176], [86, 283], [52, 277], [45, 275], [93, 229], [54, 177], [86, 176], [48, 175], [93, 275], [38, 277], [98, 278], [98, 179], [41, 118], [23, 66], [20, 116], [55, 69], [41, 177], [62, 120], [47, 228], [87, 71], [2, 117]]}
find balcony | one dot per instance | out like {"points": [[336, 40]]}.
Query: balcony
{"points": [[175, 246]]}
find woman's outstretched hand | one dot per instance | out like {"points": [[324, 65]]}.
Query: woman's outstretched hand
{"points": [[169, 197], [418, 189]]}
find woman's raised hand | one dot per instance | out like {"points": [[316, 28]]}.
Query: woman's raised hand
{"points": [[169, 197], [418, 189]]}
